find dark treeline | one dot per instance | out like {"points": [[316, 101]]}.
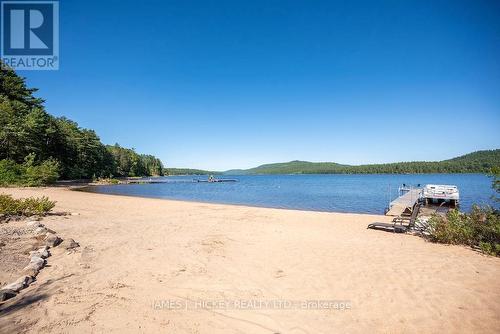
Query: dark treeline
{"points": [[35, 144], [476, 162]]}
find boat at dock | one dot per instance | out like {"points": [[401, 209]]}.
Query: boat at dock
{"points": [[440, 193], [429, 195]]}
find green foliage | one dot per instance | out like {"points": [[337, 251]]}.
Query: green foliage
{"points": [[29, 173], [25, 207], [129, 163], [106, 180], [80, 151], [45, 173], [476, 162], [27, 130], [456, 228], [113, 181], [479, 228], [8, 205], [495, 171], [36, 206], [10, 173]]}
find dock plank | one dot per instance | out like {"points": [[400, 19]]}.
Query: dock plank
{"points": [[398, 206]]}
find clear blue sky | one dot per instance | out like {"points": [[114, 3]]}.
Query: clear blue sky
{"points": [[233, 84]]}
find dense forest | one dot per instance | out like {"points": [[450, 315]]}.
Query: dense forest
{"points": [[476, 162], [128, 163], [37, 148]]}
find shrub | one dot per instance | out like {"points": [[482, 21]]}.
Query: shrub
{"points": [[107, 180], [25, 206], [28, 174], [8, 205], [36, 206], [42, 174], [495, 173], [480, 229], [10, 173]]}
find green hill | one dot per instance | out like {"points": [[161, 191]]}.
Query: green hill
{"points": [[476, 162], [294, 167]]}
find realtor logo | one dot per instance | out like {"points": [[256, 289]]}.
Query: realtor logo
{"points": [[30, 34]]}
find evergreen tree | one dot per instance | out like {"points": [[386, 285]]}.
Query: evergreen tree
{"points": [[33, 141]]}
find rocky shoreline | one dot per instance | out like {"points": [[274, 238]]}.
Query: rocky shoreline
{"points": [[40, 241]]}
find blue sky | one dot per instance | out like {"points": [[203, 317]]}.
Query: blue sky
{"points": [[234, 84]]}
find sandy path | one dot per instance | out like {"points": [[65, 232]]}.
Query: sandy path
{"points": [[136, 252]]}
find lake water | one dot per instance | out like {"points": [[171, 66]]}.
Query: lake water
{"points": [[332, 193]]}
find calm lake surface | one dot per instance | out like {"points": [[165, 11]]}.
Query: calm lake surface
{"points": [[332, 193]]}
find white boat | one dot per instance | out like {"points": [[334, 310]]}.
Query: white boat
{"points": [[441, 193]]}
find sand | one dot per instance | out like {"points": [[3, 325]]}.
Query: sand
{"points": [[149, 265]]}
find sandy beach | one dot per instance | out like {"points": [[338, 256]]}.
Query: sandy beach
{"points": [[149, 265]]}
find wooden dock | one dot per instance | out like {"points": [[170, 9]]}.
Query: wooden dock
{"points": [[400, 204]]}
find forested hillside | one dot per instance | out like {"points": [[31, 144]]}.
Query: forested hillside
{"points": [[37, 148], [476, 162]]}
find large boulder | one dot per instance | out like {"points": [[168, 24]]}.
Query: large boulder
{"points": [[14, 286], [37, 262], [33, 246], [25, 280], [31, 270], [35, 266], [52, 240], [21, 283], [42, 252]]}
